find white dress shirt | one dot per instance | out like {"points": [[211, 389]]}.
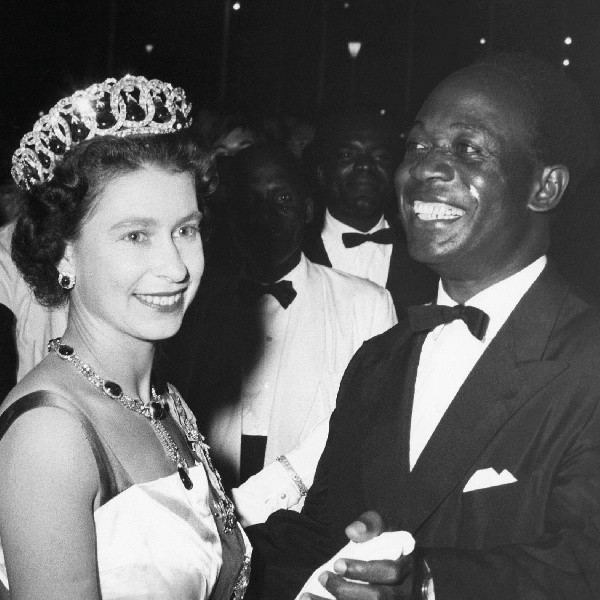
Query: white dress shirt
{"points": [[450, 352], [259, 379], [369, 260], [291, 391]]}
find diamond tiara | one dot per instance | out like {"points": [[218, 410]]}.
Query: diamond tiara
{"points": [[129, 106]]}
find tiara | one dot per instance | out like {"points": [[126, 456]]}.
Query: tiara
{"points": [[129, 106]]}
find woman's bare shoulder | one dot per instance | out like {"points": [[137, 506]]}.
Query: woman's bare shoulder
{"points": [[48, 376]]}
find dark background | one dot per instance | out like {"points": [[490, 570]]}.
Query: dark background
{"points": [[49, 49]]}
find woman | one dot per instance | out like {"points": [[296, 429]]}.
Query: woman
{"points": [[106, 487]]}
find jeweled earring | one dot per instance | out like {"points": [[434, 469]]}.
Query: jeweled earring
{"points": [[66, 281]]}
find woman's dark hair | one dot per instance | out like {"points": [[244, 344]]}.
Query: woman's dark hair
{"points": [[53, 213]]}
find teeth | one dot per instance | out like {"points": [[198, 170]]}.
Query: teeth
{"points": [[432, 211], [160, 300]]}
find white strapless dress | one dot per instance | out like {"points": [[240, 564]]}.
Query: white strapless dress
{"points": [[156, 541]]}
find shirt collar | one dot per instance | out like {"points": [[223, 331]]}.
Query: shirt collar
{"points": [[333, 227], [500, 299], [298, 274]]}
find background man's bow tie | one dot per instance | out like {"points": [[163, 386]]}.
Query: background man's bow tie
{"points": [[353, 239], [425, 318], [283, 291]]}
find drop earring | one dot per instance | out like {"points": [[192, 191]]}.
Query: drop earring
{"points": [[66, 281]]}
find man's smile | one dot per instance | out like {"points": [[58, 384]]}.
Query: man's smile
{"points": [[436, 211]]}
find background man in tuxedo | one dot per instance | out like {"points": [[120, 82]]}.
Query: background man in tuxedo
{"points": [[260, 355], [359, 232], [478, 432]]}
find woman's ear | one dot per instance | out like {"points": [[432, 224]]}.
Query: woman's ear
{"points": [[553, 183], [66, 263]]}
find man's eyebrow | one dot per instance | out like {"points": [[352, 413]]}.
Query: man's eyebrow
{"points": [[478, 127]]}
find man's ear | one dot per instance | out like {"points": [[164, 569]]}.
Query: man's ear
{"points": [[310, 210], [66, 263], [552, 185], [321, 175]]}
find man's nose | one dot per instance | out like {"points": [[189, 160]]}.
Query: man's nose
{"points": [[433, 164], [366, 162]]}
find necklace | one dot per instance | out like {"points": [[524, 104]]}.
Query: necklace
{"points": [[155, 411]]}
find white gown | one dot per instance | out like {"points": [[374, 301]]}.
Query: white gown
{"points": [[156, 540]]}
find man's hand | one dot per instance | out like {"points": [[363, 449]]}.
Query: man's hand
{"points": [[381, 579]]}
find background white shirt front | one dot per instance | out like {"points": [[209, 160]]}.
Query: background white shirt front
{"points": [[369, 260], [259, 379]]}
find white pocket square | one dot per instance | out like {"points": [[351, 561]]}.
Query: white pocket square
{"points": [[485, 478]]}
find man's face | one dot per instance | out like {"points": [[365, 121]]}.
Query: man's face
{"points": [[467, 176], [268, 212], [358, 174]]}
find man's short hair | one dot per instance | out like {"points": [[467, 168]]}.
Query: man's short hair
{"points": [[247, 159], [562, 128], [339, 123]]}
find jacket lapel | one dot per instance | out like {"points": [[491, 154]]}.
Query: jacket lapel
{"points": [[385, 466], [314, 248], [507, 375]]}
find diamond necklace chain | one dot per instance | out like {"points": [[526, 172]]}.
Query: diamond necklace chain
{"points": [[155, 411]]}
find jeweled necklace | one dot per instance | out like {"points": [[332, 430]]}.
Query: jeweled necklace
{"points": [[154, 412]]}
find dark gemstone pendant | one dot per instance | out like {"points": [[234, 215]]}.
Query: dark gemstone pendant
{"points": [[157, 411], [185, 478], [112, 389], [65, 351]]}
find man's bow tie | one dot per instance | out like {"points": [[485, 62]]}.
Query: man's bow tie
{"points": [[283, 291], [353, 239], [424, 318]]}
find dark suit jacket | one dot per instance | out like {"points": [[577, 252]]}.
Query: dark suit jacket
{"points": [[8, 352], [408, 282], [530, 405]]}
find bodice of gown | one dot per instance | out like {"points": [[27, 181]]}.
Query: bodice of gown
{"points": [[155, 540], [158, 540]]}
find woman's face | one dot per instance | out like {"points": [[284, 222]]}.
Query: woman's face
{"points": [[139, 258]]}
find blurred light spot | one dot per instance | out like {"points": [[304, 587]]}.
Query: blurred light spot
{"points": [[149, 48], [382, 112], [483, 41], [566, 62], [346, 4], [354, 48], [237, 6], [568, 41]]}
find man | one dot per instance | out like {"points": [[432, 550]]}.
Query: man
{"points": [[260, 356], [481, 436], [357, 154]]}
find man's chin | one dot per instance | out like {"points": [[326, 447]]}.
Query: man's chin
{"points": [[366, 207]]}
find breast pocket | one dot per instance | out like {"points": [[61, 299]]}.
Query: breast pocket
{"points": [[505, 514]]}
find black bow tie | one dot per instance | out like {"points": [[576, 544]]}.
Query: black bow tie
{"points": [[424, 318], [283, 291], [382, 236]]}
